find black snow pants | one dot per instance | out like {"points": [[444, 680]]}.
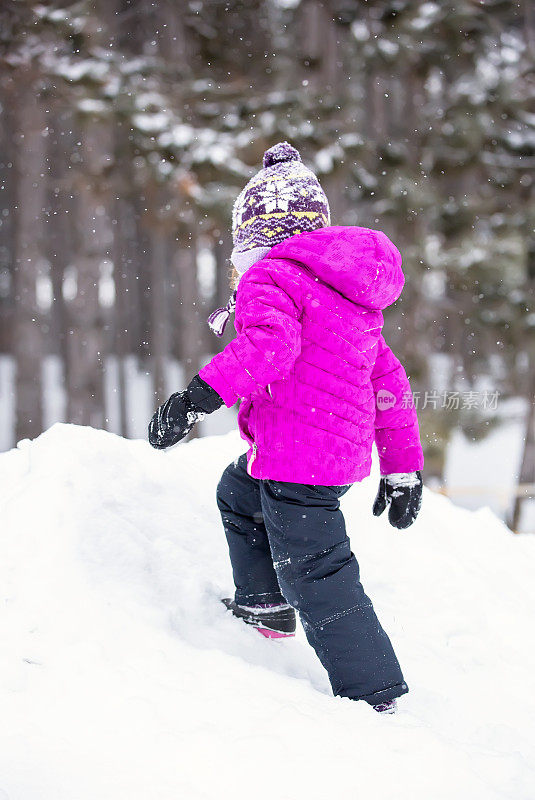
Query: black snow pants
{"points": [[288, 542]]}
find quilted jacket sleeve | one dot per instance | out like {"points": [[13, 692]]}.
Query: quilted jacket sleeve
{"points": [[268, 341], [396, 425]]}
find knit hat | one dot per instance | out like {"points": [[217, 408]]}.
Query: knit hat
{"points": [[283, 199]]}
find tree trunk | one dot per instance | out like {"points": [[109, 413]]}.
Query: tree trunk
{"points": [[321, 50], [123, 234], [30, 179], [142, 279], [527, 469], [7, 204], [85, 339], [60, 240], [160, 336], [190, 336]]}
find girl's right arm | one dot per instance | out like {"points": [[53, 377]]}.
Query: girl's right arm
{"points": [[269, 338]]}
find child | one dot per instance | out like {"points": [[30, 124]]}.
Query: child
{"points": [[318, 385]]}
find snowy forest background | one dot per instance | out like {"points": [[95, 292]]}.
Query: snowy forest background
{"points": [[128, 127]]}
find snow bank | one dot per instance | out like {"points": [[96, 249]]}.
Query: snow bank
{"points": [[121, 675]]}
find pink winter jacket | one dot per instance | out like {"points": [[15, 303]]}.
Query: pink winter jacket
{"points": [[318, 382]]}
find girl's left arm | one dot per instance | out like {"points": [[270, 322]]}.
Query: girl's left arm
{"points": [[398, 441], [269, 339], [396, 425]]}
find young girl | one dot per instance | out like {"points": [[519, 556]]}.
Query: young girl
{"points": [[318, 385]]}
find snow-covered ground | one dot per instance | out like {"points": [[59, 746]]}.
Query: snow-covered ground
{"points": [[122, 676], [482, 473]]}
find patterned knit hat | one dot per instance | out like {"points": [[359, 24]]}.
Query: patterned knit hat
{"points": [[283, 199]]}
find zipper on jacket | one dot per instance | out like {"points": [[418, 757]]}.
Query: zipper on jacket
{"points": [[252, 458]]}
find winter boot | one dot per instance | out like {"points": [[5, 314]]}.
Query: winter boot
{"points": [[389, 707], [272, 621]]}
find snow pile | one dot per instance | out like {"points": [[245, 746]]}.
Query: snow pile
{"points": [[122, 676]]}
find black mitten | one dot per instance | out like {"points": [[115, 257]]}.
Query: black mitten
{"points": [[402, 491], [176, 417]]}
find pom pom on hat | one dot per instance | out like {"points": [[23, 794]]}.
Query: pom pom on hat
{"points": [[280, 153]]}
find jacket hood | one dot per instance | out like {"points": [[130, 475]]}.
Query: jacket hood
{"points": [[361, 264]]}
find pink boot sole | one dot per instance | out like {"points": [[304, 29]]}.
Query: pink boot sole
{"points": [[274, 634]]}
